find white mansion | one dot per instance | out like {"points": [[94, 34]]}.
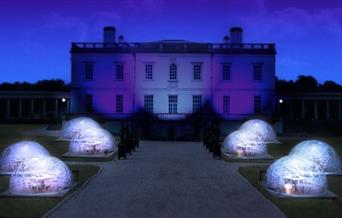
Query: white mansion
{"points": [[173, 78]]}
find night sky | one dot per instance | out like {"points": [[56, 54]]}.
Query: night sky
{"points": [[36, 34]]}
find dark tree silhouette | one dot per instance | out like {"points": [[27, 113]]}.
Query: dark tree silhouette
{"points": [[41, 85]]}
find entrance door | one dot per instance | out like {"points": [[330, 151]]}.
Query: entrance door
{"points": [[172, 134]]}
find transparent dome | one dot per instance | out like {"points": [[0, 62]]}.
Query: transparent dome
{"points": [[297, 176], [262, 129], [321, 153], [18, 153], [41, 175], [92, 141], [76, 125], [243, 143]]}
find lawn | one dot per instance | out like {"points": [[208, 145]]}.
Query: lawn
{"points": [[36, 207], [301, 208]]}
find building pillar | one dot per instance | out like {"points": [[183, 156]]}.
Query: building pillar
{"points": [[8, 108], [20, 108], [303, 109], [56, 108], [32, 107], [290, 109], [315, 110], [339, 110], [327, 110], [44, 109]]}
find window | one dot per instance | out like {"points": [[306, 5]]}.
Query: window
{"points": [[173, 72], [119, 72], [172, 104], [197, 71], [119, 104], [257, 104], [148, 103], [226, 71], [196, 102], [89, 71], [149, 71], [88, 103], [226, 104], [257, 71]]}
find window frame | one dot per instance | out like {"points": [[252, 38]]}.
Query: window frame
{"points": [[226, 104], [173, 104], [173, 72], [148, 103], [196, 103], [197, 75], [257, 71], [88, 75], [257, 107], [148, 75], [226, 70], [119, 76], [119, 107], [88, 103]]}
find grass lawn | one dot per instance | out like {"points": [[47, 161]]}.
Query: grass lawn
{"points": [[36, 207], [301, 208]]}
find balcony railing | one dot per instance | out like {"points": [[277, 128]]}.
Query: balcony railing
{"points": [[171, 47]]}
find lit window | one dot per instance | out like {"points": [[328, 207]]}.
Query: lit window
{"points": [[257, 71], [148, 103], [196, 102], [257, 104], [88, 103], [173, 72], [89, 71], [119, 104], [149, 71], [197, 71], [226, 68], [226, 104], [119, 72], [172, 104]]}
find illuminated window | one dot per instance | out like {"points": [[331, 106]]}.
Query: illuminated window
{"points": [[226, 104], [119, 72], [197, 71], [148, 103], [149, 71], [173, 72], [196, 102], [257, 71], [89, 71], [172, 104], [88, 103], [119, 104], [226, 71], [257, 104]]}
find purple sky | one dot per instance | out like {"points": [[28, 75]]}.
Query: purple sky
{"points": [[36, 34]]}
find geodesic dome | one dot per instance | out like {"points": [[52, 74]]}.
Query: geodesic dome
{"points": [[76, 125], [243, 143], [321, 153], [296, 176], [18, 153], [41, 175], [92, 141], [262, 129]]}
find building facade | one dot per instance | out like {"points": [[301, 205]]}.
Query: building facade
{"points": [[173, 78]]}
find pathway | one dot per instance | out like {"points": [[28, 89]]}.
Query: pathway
{"points": [[168, 179]]}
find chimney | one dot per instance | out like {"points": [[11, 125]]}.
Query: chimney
{"points": [[121, 39], [109, 34], [226, 39], [236, 35]]}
